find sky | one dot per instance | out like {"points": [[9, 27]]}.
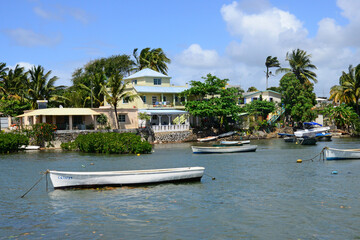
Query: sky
{"points": [[229, 39]]}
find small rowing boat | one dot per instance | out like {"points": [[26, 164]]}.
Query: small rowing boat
{"points": [[62, 179], [224, 149], [29, 147], [341, 154], [207, 139], [231, 143]]}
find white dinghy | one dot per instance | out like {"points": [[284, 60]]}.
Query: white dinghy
{"points": [[61, 179], [341, 154], [224, 149]]}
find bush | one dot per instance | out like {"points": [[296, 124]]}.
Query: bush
{"points": [[11, 142], [121, 143], [43, 132]]}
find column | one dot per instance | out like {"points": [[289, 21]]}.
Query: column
{"points": [[169, 119], [174, 99], [70, 122], [34, 118], [159, 120], [43, 119], [162, 98], [95, 123]]}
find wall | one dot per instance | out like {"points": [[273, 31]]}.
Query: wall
{"points": [[131, 117]]}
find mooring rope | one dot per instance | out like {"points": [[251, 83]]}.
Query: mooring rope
{"points": [[212, 178], [43, 174], [321, 155]]}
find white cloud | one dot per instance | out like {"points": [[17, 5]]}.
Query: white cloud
{"points": [[197, 57], [29, 38], [60, 12]]}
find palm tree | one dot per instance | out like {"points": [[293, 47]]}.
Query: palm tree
{"points": [[300, 65], [39, 85], [269, 63], [114, 92], [13, 84], [154, 59], [349, 89]]}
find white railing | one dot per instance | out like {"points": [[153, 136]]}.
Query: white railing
{"points": [[170, 128]]}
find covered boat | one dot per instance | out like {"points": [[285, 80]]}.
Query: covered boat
{"points": [[310, 130], [62, 179], [224, 149], [341, 154]]}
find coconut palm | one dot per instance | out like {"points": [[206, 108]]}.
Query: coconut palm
{"points": [[270, 63], [154, 59], [300, 65], [349, 89], [13, 84], [114, 92], [39, 85]]}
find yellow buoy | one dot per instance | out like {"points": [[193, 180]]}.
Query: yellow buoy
{"points": [[138, 154], [299, 161]]}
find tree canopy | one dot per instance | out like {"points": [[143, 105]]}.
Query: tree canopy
{"points": [[212, 99], [270, 62]]}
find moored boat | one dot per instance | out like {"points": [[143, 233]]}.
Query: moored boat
{"points": [[207, 139], [341, 154], [231, 143], [323, 136], [29, 147], [310, 130], [228, 134], [306, 140], [61, 179], [224, 149]]}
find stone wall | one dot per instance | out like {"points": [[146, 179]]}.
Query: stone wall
{"points": [[173, 136]]}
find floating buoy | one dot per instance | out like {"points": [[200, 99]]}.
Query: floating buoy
{"points": [[138, 154], [91, 163], [83, 165], [299, 161], [334, 172]]}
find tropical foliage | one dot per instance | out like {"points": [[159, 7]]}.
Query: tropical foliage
{"points": [[212, 100], [120, 143], [260, 107], [300, 65], [252, 89], [154, 59], [270, 63], [298, 99], [348, 90], [11, 142], [343, 116]]}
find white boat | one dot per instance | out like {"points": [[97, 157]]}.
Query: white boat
{"points": [[310, 130], [234, 143], [228, 134], [207, 139], [341, 154], [30, 147], [224, 149], [62, 179]]}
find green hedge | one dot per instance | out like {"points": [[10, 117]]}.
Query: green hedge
{"points": [[10, 142], [121, 143]]}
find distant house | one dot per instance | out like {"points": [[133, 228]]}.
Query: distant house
{"points": [[158, 98], [268, 95]]}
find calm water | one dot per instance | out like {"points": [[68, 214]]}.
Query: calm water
{"points": [[261, 195]]}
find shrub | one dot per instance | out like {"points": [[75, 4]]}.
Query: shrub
{"points": [[10, 142], [110, 142], [43, 132]]}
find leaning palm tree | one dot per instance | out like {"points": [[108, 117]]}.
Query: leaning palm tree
{"points": [[300, 65], [114, 92], [154, 59], [270, 63], [39, 85]]}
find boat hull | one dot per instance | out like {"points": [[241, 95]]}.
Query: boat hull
{"points": [[310, 132], [62, 179], [341, 154], [230, 149], [207, 139], [306, 141]]}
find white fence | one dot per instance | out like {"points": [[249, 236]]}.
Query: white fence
{"points": [[170, 128]]}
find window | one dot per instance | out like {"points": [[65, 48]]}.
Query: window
{"points": [[176, 99], [122, 118], [271, 99], [134, 82], [254, 99], [143, 99], [164, 98], [157, 81], [182, 99], [154, 100], [125, 100]]}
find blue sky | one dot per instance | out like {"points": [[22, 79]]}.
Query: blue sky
{"points": [[230, 39]]}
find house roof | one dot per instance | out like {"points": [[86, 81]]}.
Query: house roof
{"points": [[60, 112], [156, 89], [254, 93], [146, 72], [162, 112]]}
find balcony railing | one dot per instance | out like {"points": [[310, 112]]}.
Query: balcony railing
{"points": [[170, 128]]}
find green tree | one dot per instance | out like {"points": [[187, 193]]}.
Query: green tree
{"points": [[298, 99], [276, 89], [212, 99], [114, 91], [39, 85], [154, 59], [349, 89], [300, 65], [260, 107], [343, 116], [252, 89], [270, 63], [14, 83]]}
